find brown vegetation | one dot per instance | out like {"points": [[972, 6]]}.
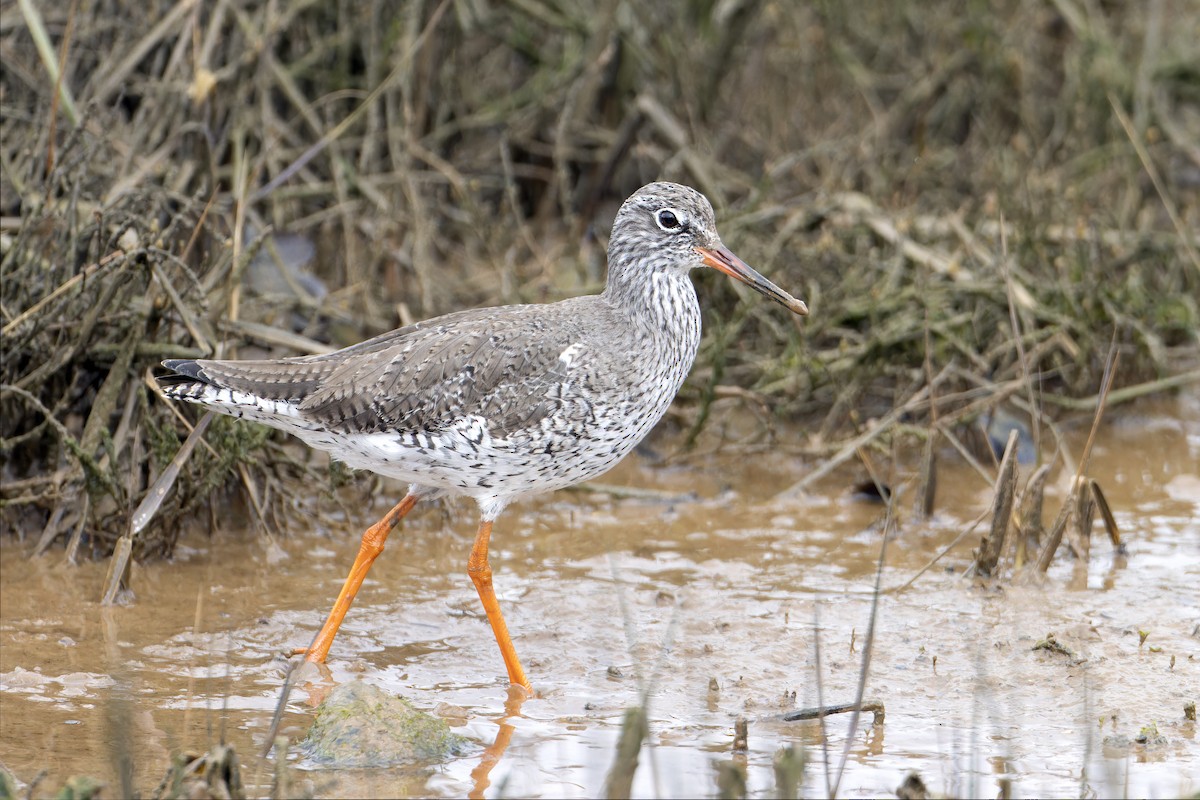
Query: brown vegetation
{"points": [[972, 199]]}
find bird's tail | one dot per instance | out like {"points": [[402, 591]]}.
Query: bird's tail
{"points": [[239, 389]]}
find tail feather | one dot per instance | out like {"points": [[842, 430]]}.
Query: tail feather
{"points": [[287, 379], [225, 387], [184, 367]]}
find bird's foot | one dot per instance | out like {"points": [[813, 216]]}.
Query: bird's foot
{"points": [[310, 655]]}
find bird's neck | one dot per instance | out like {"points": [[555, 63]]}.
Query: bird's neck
{"points": [[662, 306]]}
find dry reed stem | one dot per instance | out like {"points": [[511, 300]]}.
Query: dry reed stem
{"points": [[992, 547]]}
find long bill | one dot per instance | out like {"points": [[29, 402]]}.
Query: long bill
{"points": [[720, 258]]}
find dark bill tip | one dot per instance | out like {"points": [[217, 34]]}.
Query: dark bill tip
{"points": [[720, 258]]}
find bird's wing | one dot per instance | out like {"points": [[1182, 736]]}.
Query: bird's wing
{"points": [[290, 379], [507, 365]]}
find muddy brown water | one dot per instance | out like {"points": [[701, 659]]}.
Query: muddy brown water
{"points": [[607, 595]]}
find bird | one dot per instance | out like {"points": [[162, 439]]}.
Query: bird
{"points": [[498, 403]]}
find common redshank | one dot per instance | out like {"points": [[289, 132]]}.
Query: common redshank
{"points": [[498, 403]]}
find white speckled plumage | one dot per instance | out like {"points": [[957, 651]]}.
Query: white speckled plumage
{"points": [[498, 403]]}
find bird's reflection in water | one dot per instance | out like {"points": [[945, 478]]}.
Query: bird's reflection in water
{"points": [[481, 775]]}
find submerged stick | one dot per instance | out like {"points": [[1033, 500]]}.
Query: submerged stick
{"points": [[820, 712], [118, 570], [1056, 532], [122, 557], [1110, 522], [1080, 484], [928, 477], [1029, 516]]}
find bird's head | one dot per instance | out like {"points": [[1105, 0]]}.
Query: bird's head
{"points": [[670, 228]]}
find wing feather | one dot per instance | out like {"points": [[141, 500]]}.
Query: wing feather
{"points": [[505, 364], [502, 364]]}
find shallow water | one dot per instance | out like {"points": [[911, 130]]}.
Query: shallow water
{"points": [[607, 596]]}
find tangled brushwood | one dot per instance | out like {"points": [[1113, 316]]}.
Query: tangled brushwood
{"points": [[975, 200]]}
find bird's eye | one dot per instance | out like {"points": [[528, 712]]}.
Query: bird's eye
{"points": [[669, 219]]}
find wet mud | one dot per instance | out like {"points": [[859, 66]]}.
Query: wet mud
{"points": [[709, 598]]}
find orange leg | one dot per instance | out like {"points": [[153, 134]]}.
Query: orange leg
{"points": [[368, 551], [481, 575]]}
